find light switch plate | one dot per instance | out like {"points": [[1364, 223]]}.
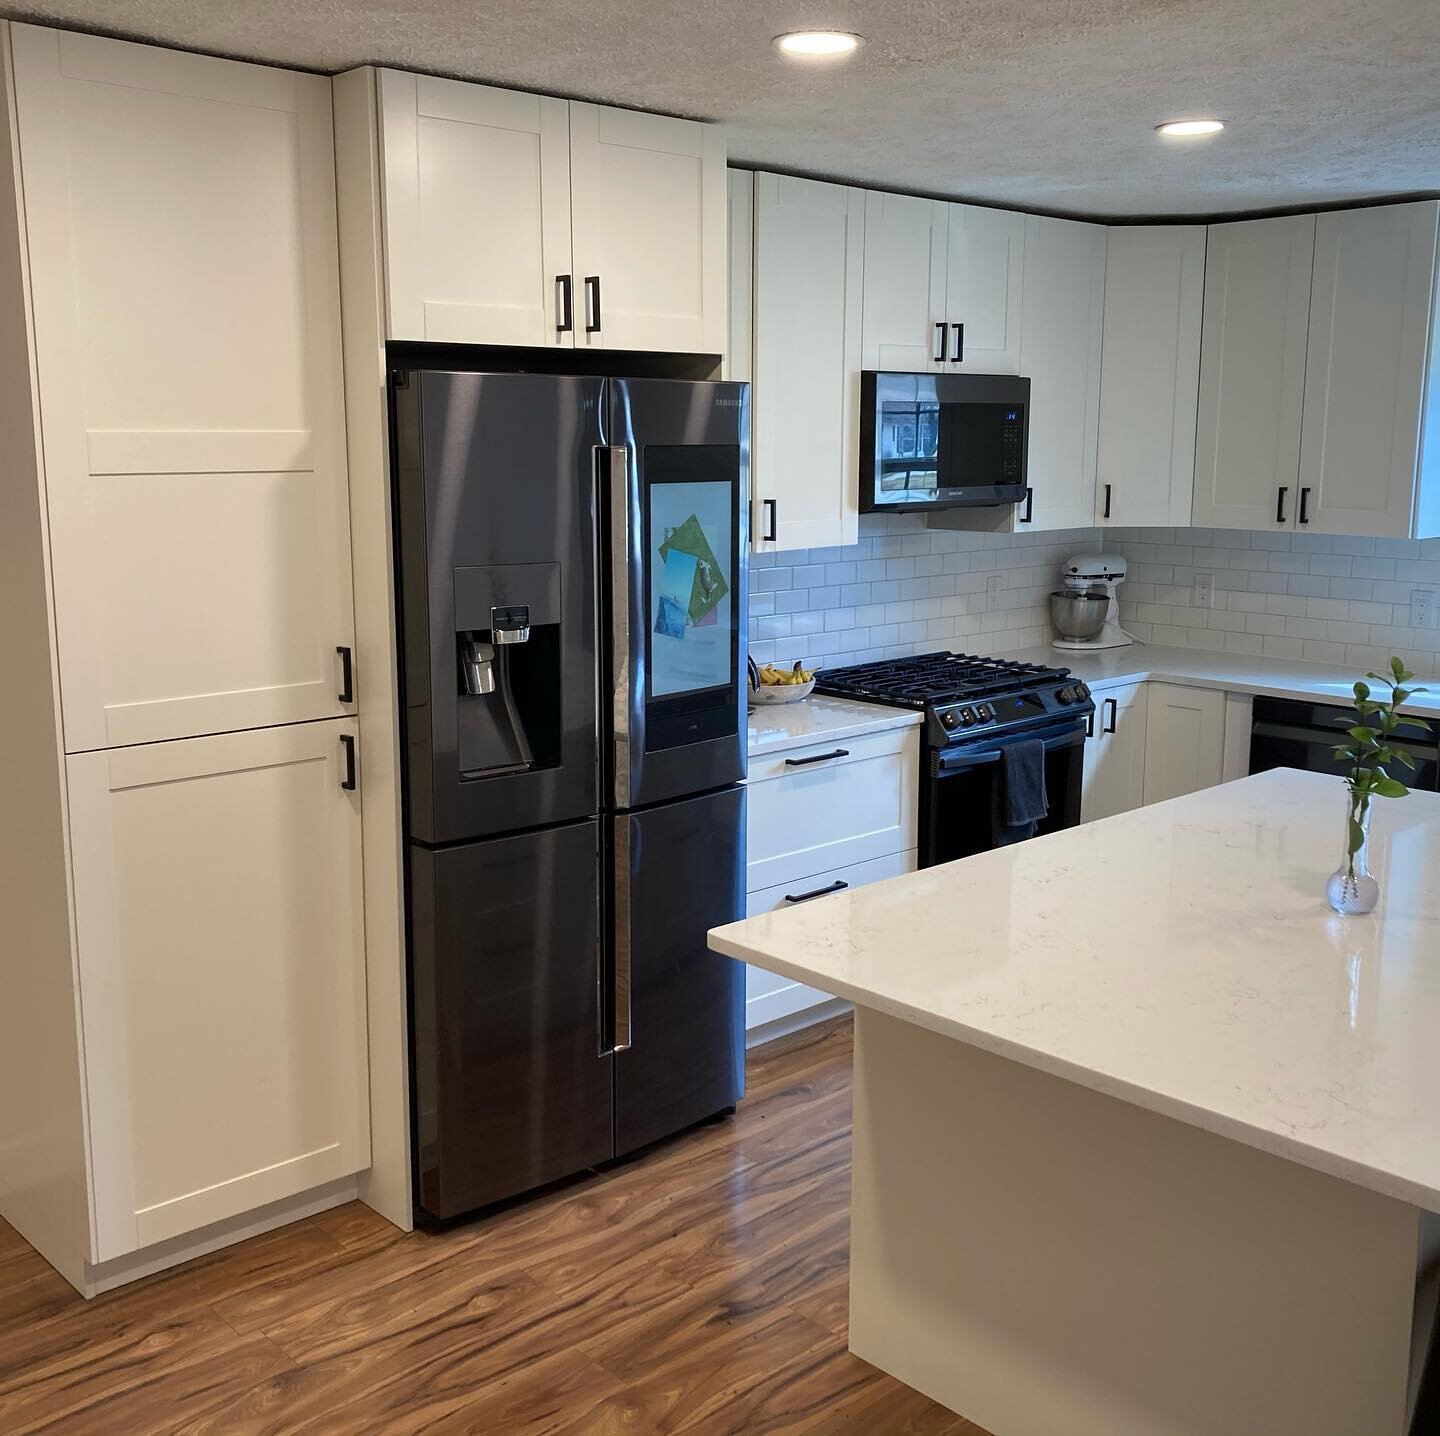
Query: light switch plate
{"points": [[994, 587], [1203, 593]]}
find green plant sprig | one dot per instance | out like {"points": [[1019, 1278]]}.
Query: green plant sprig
{"points": [[1369, 752]]}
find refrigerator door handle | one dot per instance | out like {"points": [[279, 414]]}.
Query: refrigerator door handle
{"points": [[621, 969], [616, 458]]}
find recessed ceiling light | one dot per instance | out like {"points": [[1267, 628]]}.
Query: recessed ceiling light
{"points": [[1187, 129], [818, 44]]}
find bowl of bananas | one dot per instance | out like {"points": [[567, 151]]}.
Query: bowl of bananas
{"points": [[780, 685]]}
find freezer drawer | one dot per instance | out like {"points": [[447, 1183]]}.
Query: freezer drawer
{"points": [[679, 871], [511, 1091]]}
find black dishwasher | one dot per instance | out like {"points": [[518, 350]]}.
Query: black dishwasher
{"points": [[1287, 733]]}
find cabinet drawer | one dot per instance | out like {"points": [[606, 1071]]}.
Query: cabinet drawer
{"points": [[830, 806], [770, 996]]}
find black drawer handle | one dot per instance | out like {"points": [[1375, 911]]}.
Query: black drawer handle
{"points": [[1304, 506], [347, 675], [940, 343], [592, 303], [958, 357], [834, 887], [1106, 514], [1029, 515], [347, 745], [770, 509], [818, 758], [1280, 504], [1113, 705], [566, 321]]}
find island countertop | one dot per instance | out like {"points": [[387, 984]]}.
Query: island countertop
{"points": [[1182, 958]]}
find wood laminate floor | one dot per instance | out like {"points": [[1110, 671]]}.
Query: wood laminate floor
{"points": [[701, 1289]]}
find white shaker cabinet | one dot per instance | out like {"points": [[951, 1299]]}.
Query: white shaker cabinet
{"points": [[1149, 373], [805, 421], [1184, 740], [904, 326], [180, 213], [984, 289], [1252, 373], [1060, 333], [740, 348], [520, 219], [1114, 773], [221, 972], [477, 212], [1365, 464]]}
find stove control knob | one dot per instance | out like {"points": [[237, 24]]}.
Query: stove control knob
{"points": [[1066, 695], [967, 716], [949, 718]]}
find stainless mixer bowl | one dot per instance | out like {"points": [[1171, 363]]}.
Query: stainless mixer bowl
{"points": [[1078, 616]]}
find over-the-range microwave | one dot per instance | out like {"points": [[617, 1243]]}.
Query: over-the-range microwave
{"points": [[942, 441]]}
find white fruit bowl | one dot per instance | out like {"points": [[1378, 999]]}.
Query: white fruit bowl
{"points": [[768, 693]]}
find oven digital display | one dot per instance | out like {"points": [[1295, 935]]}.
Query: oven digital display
{"points": [[1019, 705]]}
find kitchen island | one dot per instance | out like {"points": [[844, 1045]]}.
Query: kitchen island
{"points": [[1147, 1140]]}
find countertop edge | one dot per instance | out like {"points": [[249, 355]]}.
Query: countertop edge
{"points": [[1150, 1099]]}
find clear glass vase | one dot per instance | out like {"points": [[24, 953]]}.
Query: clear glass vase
{"points": [[1351, 889]]}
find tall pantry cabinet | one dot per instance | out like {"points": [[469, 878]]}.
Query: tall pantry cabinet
{"points": [[189, 973]]}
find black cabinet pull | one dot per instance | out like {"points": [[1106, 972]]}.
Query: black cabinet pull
{"points": [[1090, 724], [1304, 506], [817, 758], [834, 887], [1113, 707], [940, 342], [958, 357], [347, 675], [1106, 514], [347, 744], [567, 304], [1280, 504], [1029, 515], [592, 303], [771, 510]]}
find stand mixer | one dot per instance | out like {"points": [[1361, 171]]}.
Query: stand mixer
{"points": [[1086, 612]]}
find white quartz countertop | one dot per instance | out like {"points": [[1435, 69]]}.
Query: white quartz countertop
{"points": [[1180, 957], [775, 727], [1236, 673]]}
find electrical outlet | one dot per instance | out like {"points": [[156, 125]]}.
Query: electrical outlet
{"points": [[994, 587], [1422, 608], [1203, 594]]}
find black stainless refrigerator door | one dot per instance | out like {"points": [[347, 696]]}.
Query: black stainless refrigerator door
{"points": [[511, 1089], [679, 870], [676, 479], [495, 478]]}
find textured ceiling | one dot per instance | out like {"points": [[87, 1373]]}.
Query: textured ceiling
{"points": [[1039, 103]]}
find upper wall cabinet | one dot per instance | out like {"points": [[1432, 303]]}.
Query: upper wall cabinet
{"points": [[984, 286], [1060, 352], [1364, 465], [185, 284], [457, 159], [1252, 372], [809, 256], [1149, 373], [520, 219], [943, 286]]}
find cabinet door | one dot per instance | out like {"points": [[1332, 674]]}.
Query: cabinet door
{"points": [[648, 216], [984, 281], [1370, 322], [739, 348], [1114, 776], [477, 213], [1252, 372], [903, 327], [1060, 330], [221, 955], [1184, 740], [1149, 373], [181, 219], [805, 410]]}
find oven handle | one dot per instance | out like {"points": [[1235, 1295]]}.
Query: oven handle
{"points": [[1054, 739]]}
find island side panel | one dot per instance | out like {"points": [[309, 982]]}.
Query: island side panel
{"points": [[1041, 1258]]}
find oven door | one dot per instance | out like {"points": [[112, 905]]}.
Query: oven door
{"points": [[961, 794]]}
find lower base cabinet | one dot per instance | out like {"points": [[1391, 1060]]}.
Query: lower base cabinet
{"points": [[1114, 775], [1184, 740], [221, 972]]}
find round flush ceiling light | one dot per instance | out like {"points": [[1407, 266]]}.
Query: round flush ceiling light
{"points": [[818, 44], [1189, 129]]}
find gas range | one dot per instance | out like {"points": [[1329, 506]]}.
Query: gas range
{"points": [[964, 696]]}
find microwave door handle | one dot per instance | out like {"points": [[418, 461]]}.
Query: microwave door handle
{"points": [[615, 465]]}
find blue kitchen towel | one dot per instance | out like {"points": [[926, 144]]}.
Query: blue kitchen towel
{"points": [[1023, 802]]}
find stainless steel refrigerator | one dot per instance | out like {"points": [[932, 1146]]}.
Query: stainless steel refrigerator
{"points": [[571, 587]]}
